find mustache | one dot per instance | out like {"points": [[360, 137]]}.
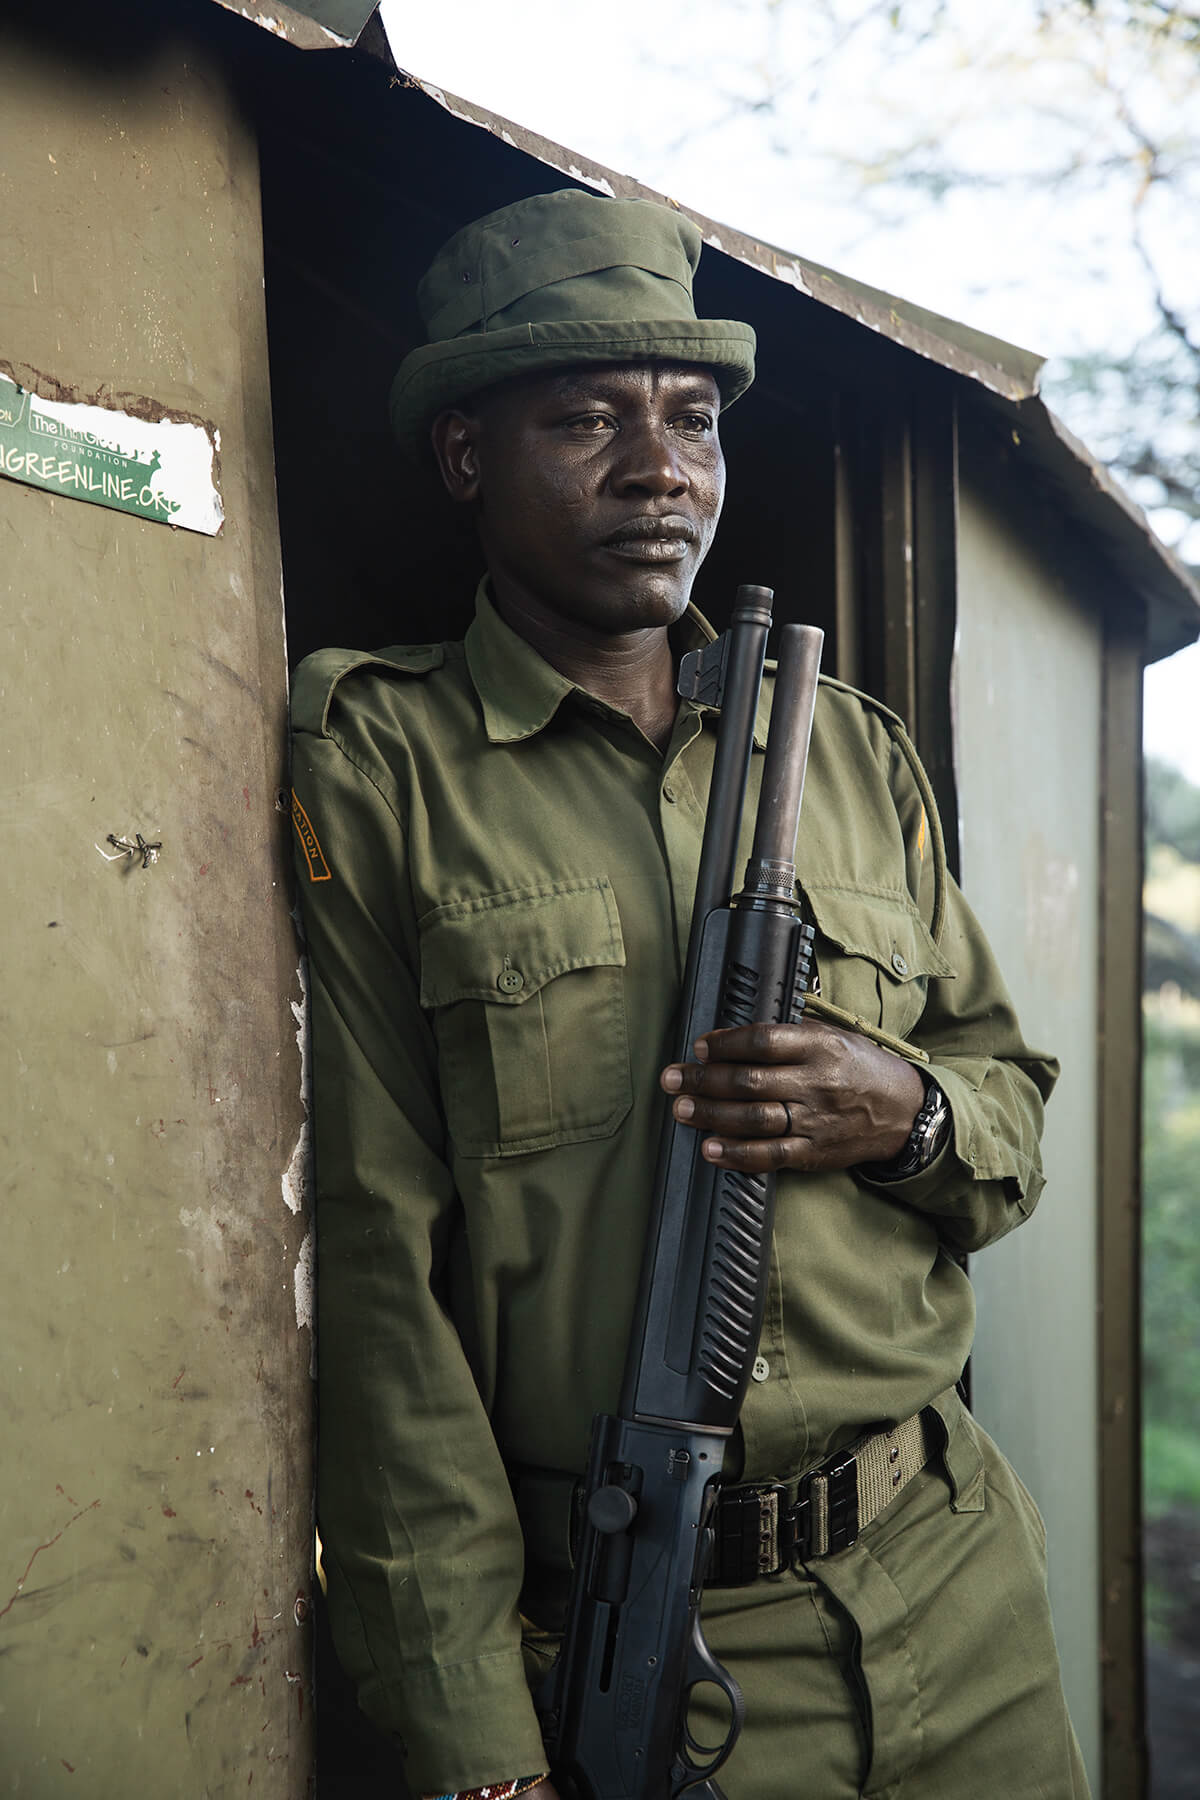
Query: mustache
{"points": [[665, 528]]}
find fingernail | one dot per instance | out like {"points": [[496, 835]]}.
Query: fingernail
{"points": [[701, 1050], [713, 1149], [684, 1109], [672, 1080]]}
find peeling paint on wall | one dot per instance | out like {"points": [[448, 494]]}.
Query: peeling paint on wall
{"points": [[792, 273], [303, 1283], [293, 27], [496, 126], [296, 1182], [295, 1176], [599, 182]]}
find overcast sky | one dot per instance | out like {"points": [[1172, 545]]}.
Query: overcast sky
{"points": [[750, 111]]}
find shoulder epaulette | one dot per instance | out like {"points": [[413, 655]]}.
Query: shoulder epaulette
{"points": [[898, 732], [865, 699], [317, 678]]}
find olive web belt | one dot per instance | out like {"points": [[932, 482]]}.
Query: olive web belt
{"points": [[765, 1528]]}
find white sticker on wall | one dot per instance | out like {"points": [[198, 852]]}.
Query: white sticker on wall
{"points": [[162, 469]]}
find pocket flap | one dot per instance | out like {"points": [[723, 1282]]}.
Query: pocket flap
{"points": [[883, 927], [504, 947]]}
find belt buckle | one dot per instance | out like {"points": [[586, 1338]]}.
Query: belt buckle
{"points": [[748, 1526], [825, 1515]]}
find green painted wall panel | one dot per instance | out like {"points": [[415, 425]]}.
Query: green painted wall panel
{"points": [[1027, 697], [155, 1506]]}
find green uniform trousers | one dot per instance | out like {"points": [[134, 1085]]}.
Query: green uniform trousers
{"points": [[918, 1665]]}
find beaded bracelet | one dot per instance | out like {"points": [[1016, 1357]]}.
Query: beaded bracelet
{"points": [[496, 1790]]}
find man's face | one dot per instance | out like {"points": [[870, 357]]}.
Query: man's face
{"points": [[597, 490]]}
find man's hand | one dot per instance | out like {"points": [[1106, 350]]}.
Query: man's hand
{"points": [[804, 1096]]}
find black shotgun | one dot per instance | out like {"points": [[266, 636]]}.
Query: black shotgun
{"points": [[614, 1707]]}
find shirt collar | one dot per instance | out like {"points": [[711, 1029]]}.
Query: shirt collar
{"points": [[520, 692]]}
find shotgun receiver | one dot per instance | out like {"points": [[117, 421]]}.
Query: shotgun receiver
{"points": [[614, 1706]]}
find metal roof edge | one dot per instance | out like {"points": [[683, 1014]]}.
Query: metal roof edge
{"points": [[1003, 368], [1119, 526], [1008, 375], [302, 25]]}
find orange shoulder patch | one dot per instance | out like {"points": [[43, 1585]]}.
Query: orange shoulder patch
{"points": [[318, 868]]}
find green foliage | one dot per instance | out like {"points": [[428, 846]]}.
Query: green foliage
{"points": [[1171, 1178], [1171, 1465], [1171, 1250], [1172, 956], [1158, 1612], [1171, 1090], [1141, 412], [1172, 811]]}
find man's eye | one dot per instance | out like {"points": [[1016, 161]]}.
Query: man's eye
{"points": [[698, 423], [591, 424]]}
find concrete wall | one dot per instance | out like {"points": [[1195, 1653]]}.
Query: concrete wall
{"points": [[155, 1504], [1027, 700]]}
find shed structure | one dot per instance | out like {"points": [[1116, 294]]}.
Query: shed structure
{"points": [[215, 229]]}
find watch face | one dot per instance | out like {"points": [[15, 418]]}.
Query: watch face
{"points": [[939, 1137], [937, 1125], [928, 1132], [931, 1131]]}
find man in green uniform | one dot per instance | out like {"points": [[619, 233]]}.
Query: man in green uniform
{"points": [[497, 849]]}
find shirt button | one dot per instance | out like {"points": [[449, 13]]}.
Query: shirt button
{"points": [[668, 792], [761, 1369], [510, 981], [898, 963]]}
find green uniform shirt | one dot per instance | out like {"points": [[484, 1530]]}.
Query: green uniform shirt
{"points": [[497, 873]]}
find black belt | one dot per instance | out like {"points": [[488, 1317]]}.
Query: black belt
{"points": [[761, 1528], [764, 1528]]}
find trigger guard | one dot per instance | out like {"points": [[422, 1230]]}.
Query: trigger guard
{"points": [[703, 1667], [693, 1749]]}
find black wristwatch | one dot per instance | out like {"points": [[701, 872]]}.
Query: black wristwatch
{"points": [[930, 1134]]}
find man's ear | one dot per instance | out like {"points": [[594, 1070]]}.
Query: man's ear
{"points": [[455, 445]]}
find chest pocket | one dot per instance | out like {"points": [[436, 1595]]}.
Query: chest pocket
{"points": [[525, 988], [875, 955]]}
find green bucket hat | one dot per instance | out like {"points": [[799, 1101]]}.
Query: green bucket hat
{"points": [[555, 280]]}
